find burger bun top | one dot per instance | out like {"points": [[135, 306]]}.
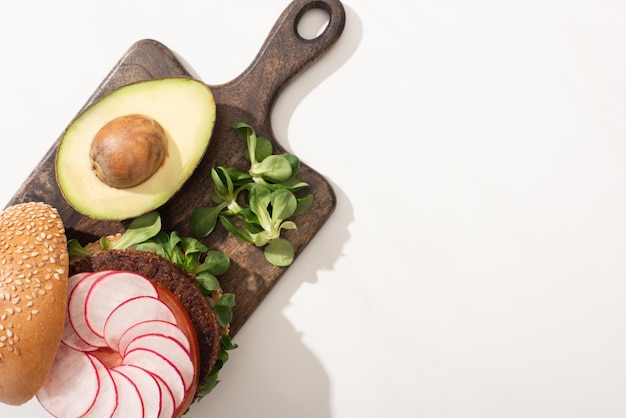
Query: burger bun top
{"points": [[33, 293]]}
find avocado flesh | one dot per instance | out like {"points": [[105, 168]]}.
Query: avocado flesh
{"points": [[184, 107]]}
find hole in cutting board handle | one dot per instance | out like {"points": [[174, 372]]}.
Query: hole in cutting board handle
{"points": [[312, 21]]}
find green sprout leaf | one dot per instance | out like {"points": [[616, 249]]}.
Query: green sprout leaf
{"points": [[275, 168], [141, 229], [105, 244], [152, 247], [203, 220], [248, 136], [284, 204], [76, 250], [208, 282], [304, 204], [215, 263], [263, 149], [223, 309], [240, 233], [259, 200], [279, 252]]}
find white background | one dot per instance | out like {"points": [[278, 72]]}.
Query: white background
{"points": [[475, 264]]}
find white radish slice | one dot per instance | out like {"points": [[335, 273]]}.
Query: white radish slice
{"points": [[72, 384], [129, 402], [75, 278], [131, 312], [69, 336], [106, 401], [160, 365], [154, 327], [148, 387], [76, 310], [110, 290], [171, 349], [167, 399]]}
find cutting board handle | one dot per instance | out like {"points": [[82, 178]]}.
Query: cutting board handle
{"points": [[283, 55]]}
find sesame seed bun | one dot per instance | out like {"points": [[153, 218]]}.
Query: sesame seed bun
{"points": [[33, 292]]}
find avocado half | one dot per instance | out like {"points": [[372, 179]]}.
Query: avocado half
{"points": [[185, 110]]}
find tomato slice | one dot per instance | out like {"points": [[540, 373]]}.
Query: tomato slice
{"points": [[185, 324]]}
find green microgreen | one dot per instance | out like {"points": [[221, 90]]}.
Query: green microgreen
{"points": [[223, 309], [139, 230], [76, 250], [256, 205]]}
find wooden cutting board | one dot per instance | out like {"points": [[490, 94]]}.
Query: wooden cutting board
{"points": [[247, 98]]}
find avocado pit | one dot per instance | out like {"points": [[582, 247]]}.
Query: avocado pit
{"points": [[128, 150]]}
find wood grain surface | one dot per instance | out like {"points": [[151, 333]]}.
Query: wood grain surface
{"points": [[248, 98]]}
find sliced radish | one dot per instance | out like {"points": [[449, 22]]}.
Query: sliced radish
{"points": [[131, 312], [167, 399], [75, 278], [148, 387], [72, 384], [125, 351], [106, 401], [160, 365], [129, 402], [76, 311], [110, 290], [171, 349], [69, 336], [153, 327]]}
